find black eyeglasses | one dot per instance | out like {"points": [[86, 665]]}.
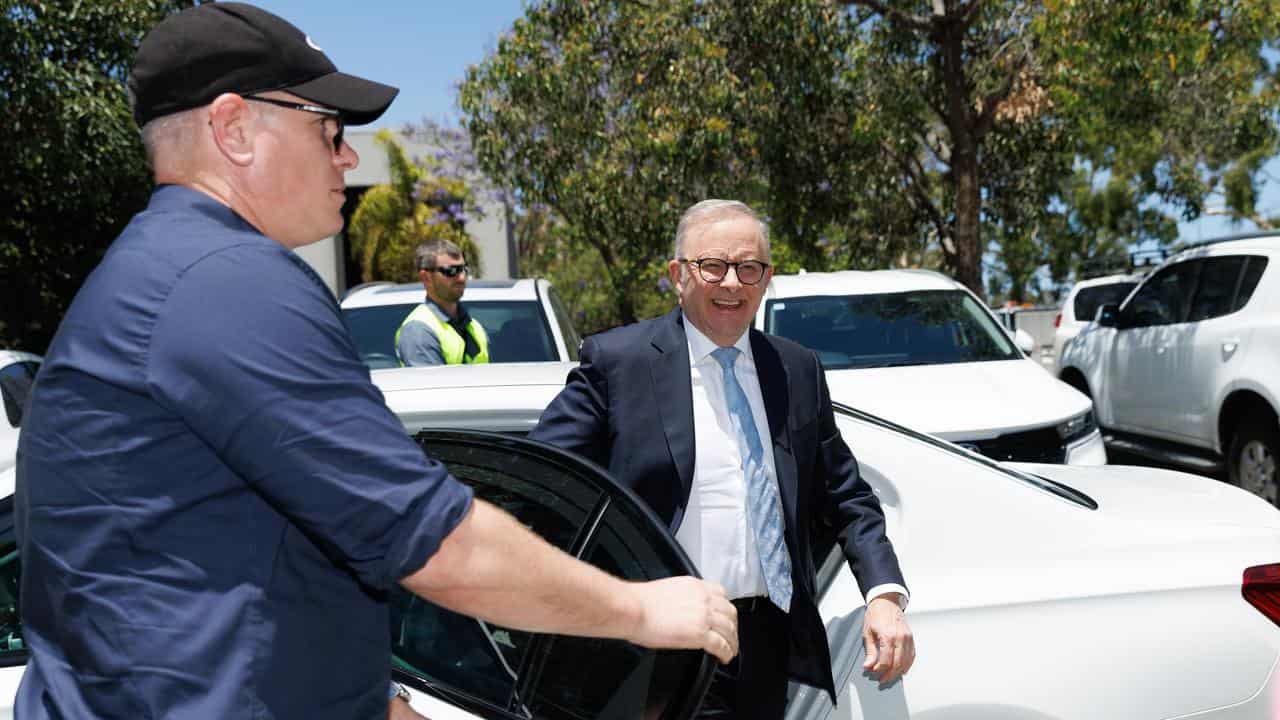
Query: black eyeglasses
{"points": [[327, 112], [713, 270], [449, 270]]}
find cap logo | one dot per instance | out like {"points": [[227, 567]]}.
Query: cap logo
{"points": [[312, 44]]}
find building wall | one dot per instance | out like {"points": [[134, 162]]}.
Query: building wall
{"points": [[329, 257]]}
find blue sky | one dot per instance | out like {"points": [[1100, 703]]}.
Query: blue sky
{"points": [[420, 46], [424, 46]]}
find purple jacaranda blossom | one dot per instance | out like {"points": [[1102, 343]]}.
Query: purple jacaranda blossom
{"points": [[664, 284]]}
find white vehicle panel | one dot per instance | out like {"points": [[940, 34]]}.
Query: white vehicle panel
{"points": [[960, 401], [1015, 612]]}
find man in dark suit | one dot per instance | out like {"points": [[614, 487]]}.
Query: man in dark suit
{"points": [[677, 407]]}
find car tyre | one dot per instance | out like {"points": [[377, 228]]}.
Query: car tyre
{"points": [[1254, 455]]}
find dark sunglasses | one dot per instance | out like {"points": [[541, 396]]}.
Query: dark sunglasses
{"points": [[450, 270], [316, 109]]}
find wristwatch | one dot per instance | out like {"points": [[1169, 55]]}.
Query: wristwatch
{"points": [[400, 691]]}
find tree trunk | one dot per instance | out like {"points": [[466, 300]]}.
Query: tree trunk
{"points": [[966, 260], [964, 256]]}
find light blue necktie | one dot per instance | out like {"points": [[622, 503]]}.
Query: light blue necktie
{"points": [[764, 507]]}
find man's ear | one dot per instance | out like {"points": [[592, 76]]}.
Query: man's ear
{"points": [[233, 127], [673, 271], [422, 276]]}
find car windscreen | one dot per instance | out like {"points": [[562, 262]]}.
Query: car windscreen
{"points": [[922, 327], [516, 328], [1089, 299]]}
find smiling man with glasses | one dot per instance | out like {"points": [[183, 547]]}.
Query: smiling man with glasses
{"points": [[729, 435], [440, 331]]}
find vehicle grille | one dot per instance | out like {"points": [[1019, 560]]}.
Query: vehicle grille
{"points": [[1042, 445]]}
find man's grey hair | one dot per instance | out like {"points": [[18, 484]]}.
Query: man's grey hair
{"points": [[168, 138], [427, 252], [709, 211]]}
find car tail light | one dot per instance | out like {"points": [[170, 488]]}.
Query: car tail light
{"points": [[1058, 320], [1261, 588]]}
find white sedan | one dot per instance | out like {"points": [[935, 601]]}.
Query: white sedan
{"points": [[1039, 592]]}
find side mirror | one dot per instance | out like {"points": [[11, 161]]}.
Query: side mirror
{"points": [[1108, 316], [1024, 341]]}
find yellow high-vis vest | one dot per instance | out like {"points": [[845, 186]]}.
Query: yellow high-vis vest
{"points": [[452, 345]]}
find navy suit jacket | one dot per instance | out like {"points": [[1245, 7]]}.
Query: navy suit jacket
{"points": [[629, 407]]}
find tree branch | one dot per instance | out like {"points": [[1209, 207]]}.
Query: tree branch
{"points": [[917, 22], [971, 13], [992, 100], [915, 179]]}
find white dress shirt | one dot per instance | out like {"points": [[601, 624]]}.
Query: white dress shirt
{"points": [[716, 533]]}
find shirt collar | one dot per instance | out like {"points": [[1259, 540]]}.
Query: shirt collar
{"points": [[180, 198], [701, 346], [463, 317]]}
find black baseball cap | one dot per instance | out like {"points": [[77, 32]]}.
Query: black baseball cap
{"points": [[194, 56]]}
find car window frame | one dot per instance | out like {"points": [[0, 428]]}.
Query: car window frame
{"points": [[1251, 260], [1200, 284], [569, 333], [611, 494], [1126, 310]]}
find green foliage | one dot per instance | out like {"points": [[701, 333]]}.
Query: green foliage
{"points": [[421, 202], [990, 108], [617, 116], [73, 169]]}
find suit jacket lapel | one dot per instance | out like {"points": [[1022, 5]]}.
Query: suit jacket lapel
{"points": [[777, 400], [673, 392]]}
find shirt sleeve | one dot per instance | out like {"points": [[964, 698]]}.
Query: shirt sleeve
{"points": [[419, 346], [250, 351]]}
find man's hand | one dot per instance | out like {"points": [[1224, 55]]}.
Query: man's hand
{"points": [[685, 612], [890, 647], [399, 710]]}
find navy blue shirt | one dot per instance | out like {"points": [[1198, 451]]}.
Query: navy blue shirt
{"points": [[212, 498]]}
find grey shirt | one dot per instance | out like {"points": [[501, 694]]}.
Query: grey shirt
{"points": [[418, 345]]}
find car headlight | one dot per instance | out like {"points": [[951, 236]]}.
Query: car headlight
{"points": [[1077, 427]]}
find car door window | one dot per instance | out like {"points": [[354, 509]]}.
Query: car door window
{"points": [[1249, 281], [620, 680], [1089, 299], [1163, 298], [1216, 288], [500, 672]]}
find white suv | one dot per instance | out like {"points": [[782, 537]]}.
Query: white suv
{"points": [[1082, 303], [918, 348], [525, 319], [1186, 370]]}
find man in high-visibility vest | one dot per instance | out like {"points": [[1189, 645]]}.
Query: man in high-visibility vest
{"points": [[440, 331]]}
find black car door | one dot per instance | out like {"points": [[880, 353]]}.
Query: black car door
{"points": [[498, 672]]}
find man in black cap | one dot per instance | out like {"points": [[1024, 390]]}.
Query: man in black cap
{"points": [[212, 498]]}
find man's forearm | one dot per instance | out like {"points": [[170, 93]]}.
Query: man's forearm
{"points": [[493, 568]]}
